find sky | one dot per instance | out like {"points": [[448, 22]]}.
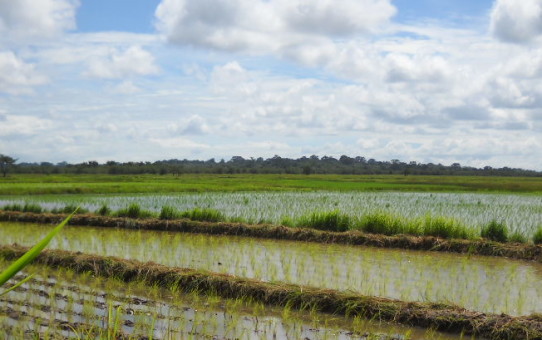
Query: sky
{"points": [[439, 81]]}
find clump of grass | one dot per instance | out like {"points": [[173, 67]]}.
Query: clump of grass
{"points": [[380, 223], [517, 237], [104, 210], [134, 211], [169, 213], [537, 237], [32, 207], [13, 207], [445, 227], [495, 231], [287, 221], [330, 221], [205, 214], [69, 209]]}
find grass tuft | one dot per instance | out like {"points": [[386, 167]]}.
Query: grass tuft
{"points": [[495, 231], [205, 214], [169, 213], [134, 211], [445, 227], [517, 237], [104, 210], [13, 207], [537, 237], [33, 208], [330, 221]]}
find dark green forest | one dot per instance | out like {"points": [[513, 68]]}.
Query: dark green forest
{"points": [[275, 165]]}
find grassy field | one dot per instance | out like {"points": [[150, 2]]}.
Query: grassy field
{"points": [[114, 184]]}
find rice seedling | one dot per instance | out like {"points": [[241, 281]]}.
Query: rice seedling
{"points": [[379, 272], [445, 227], [34, 208], [331, 221], [518, 237], [13, 207], [291, 298], [104, 210], [169, 213], [537, 237], [134, 211], [495, 231], [204, 214]]}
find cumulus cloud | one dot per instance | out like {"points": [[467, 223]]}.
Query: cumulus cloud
{"points": [[29, 19], [517, 21], [259, 26], [18, 125], [17, 76], [133, 61], [194, 125]]}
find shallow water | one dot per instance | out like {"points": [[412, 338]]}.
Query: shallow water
{"points": [[486, 284], [56, 299]]}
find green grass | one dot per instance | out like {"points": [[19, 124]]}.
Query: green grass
{"points": [[205, 214], [495, 231], [108, 184], [379, 222], [330, 221], [169, 213], [537, 238], [134, 211]]}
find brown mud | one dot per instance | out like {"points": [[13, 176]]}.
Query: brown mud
{"points": [[440, 316], [483, 247]]}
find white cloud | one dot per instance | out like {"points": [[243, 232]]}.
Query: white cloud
{"points": [[31, 19], [126, 87], [17, 76], [258, 26], [194, 125], [123, 63], [23, 125], [517, 21]]}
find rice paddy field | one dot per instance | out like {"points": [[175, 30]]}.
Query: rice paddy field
{"points": [[59, 303], [522, 213]]}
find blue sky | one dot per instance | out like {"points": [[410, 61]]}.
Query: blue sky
{"points": [[427, 81]]}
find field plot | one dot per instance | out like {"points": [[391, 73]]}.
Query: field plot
{"points": [[61, 304], [484, 284], [521, 213]]}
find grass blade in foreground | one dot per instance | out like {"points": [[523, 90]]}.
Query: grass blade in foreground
{"points": [[31, 254]]}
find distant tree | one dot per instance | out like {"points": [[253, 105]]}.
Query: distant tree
{"points": [[5, 163]]}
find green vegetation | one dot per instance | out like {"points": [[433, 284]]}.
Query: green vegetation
{"points": [[134, 211], [379, 222], [206, 214], [439, 316], [331, 221], [495, 231], [30, 255], [537, 238], [104, 210], [108, 184], [169, 213]]}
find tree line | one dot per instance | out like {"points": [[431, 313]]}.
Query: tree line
{"points": [[275, 165]]}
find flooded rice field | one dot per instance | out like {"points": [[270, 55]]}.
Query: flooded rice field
{"points": [[494, 285], [520, 212], [60, 303]]}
